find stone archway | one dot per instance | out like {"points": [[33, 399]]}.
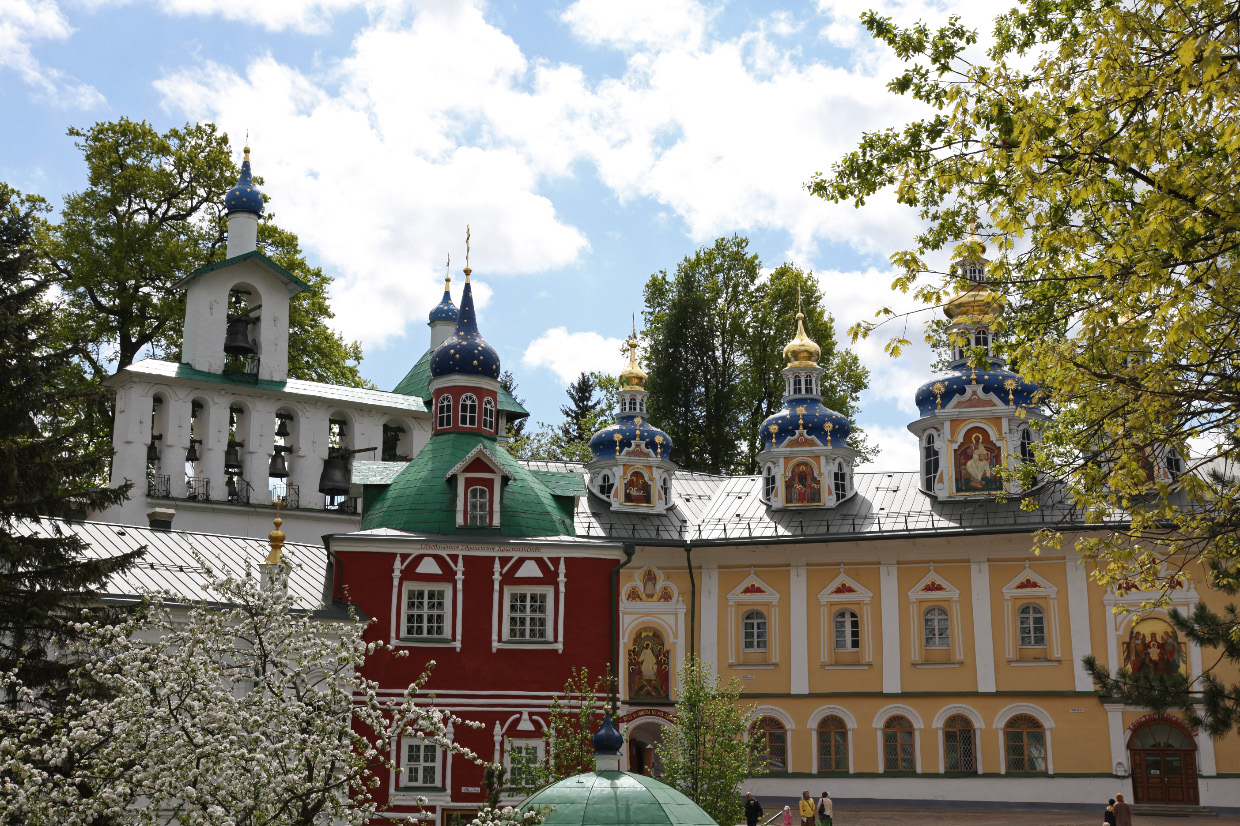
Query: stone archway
{"points": [[1163, 756]]}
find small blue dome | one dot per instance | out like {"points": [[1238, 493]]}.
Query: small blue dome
{"points": [[994, 380], [608, 740], [445, 310], [244, 197], [465, 352], [604, 445], [816, 417]]}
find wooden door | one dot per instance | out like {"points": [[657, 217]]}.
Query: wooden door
{"points": [[1164, 776]]}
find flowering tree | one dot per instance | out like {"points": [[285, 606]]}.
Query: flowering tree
{"points": [[241, 710]]}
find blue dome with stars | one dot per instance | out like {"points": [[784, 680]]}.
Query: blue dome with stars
{"points": [[465, 352], [806, 413], [244, 197], [630, 427], [445, 310], [995, 379]]}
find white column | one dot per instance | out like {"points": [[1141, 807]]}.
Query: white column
{"points": [[799, 631], [1078, 621], [495, 600], [1206, 764], [889, 599], [708, 619], [1115, 731], [983, 632]]}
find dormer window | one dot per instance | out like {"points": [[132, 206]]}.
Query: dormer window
{"points": [[478, 506], [469, 410], [443, 418], [488, 415]]}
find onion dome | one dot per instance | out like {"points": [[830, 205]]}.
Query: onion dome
{"points": [[976, 304], [445, 310], [244, 197], [1010, 388], [633, 377], [615, 439], [802, 351], [465, 352], [608, 739], [808, 414]]}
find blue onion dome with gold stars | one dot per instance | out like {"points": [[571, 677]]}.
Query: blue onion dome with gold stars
{"points": [[445, 310], [244, 197], [1010, 388], [465, 352], [804, 412], [615, 439]]}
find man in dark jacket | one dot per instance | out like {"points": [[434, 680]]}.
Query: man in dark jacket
{"points": [[753, 810]]}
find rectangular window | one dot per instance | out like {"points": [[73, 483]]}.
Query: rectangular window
{"points": [[421, 764], [937, 628], [847, 631], [527, 616], [753, 631], [523, 756], [426, 611]]}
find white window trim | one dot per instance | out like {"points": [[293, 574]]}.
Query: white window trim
{"points": [[455, 586], [950, 597], [766, 632], [505, 641], [739, 604], [925, 637], [439, 411], [860, 634], [460, 415], [488, 415], [940, 723], [1014, 598], [484, 499], [1040, 611], [403, 763], [449, 624], [540, 748], [1036, 712], [831, 603], [462, 493]]}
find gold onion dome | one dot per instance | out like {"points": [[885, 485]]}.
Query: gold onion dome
{"points": [[633, 377], [802, 351], [977, 303]]}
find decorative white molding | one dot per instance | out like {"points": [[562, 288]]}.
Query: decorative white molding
{"points": [[799, 631], [983, 633], [890, 606]]}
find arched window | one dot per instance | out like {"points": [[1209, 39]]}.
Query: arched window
{"points": [[772, 742], [469, 411], [664, 487], [937, 628], [847, 631], [981, 338], [796, 385], [832, 744], [753, 631], [1026, 445], [479, 504], [1031, 622], [840, 478], [1024, 745], [605, 484], [444, 417], [768, 484], [930, 463], [811, 385], [898, 745], [959, 745], [488, 415]]}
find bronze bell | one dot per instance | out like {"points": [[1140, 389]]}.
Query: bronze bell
{"points": [[334, 481], [191, 455], [152, 452], [278, 469], [232, 457], [282, 428], [237, 339], [231, 487]]}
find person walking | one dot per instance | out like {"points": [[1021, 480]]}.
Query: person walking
{"points": [[807, 809], [1123, 812], [1108, 817], [824, 810], [787, 816], [753, 810]]}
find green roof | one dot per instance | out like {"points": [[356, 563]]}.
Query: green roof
{"points": [[253, 255], [612, 798], [561, 483], [417, 382], [420, 500]]}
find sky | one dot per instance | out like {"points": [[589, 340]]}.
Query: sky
{"points": [[587, 144]]}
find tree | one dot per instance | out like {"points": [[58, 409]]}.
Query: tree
{"points": [[715, 332], [580, 410], [509, 382], [557, 443], [47, 466], [1096, 145], [152, 214], [573, 718], [707, 752], [245, 709]]}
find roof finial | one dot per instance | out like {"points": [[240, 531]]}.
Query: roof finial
{"points": [[276, 538], [634, 334], [447, 272], [799, 313], [467, 253]]}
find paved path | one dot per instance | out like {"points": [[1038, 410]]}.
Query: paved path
{"points": [[908, 817]]}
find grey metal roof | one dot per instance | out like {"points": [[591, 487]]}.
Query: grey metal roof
{"points": [[311, 390], [375, 473], [174, 560]]}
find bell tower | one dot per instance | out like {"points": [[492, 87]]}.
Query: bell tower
{"points": [[236, 310]]}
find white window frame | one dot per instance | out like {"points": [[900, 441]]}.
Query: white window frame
{"points": [[1026, 445], [839, 478], [549, 615], [537, 744], [941, 640], [470, 521], [605, 483], [852, 630], [407, 766], [745, 636], [447, 589], [468, 413], [443, 412], [931, 462], [488, 415], [1034, 611]]}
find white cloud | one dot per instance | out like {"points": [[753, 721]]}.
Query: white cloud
{"points": [[568, 355], [638, 24], [897, 449], [22, 23]]}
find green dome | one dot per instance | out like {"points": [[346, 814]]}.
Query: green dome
{"points": [[613, 798]]}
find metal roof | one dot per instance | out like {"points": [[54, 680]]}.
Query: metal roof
{"points": [[177, 561]]}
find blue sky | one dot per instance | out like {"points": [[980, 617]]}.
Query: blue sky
{"points": [[588, 144]]}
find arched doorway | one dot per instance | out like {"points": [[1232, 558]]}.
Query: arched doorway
{"points": [[1164, 763], [642, 739]]}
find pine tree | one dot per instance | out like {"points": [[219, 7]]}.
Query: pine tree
{"points": [[47, 468], [509, 382], [580, 411]]}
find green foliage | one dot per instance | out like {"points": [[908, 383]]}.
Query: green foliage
{"points": [[714, 337], [48, 466], [570, 441], [579, 413], [707, 752], [509, 382], [573, 718], [1097, 146]]}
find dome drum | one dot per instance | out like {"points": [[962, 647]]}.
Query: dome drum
{"points": [[807, 480]]}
